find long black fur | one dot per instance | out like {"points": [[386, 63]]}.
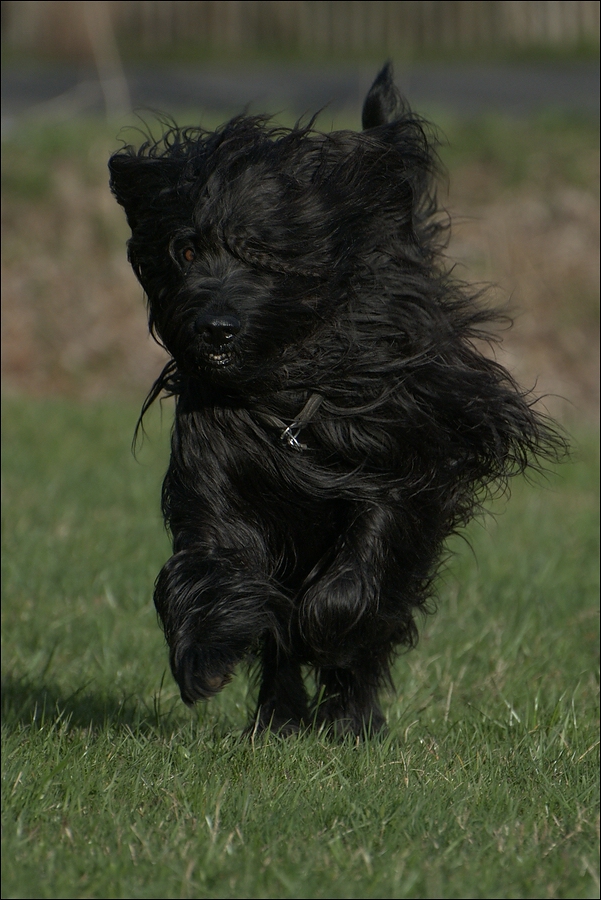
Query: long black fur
{"points": [[285, 267]]}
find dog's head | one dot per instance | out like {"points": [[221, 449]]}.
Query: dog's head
{"points": [[248, 239]]}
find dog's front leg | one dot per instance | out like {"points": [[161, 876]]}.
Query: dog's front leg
{"points": [[212, 609], [343, 598]]}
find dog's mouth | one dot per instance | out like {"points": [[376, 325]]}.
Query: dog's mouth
{"points": [[198, 360], [219, 358]]}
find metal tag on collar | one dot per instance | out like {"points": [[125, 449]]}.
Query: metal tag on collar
{"points": [[290, 435]]}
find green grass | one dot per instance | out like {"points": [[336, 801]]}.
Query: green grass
{"points": [[279, 50], [549, 147], [486, 785]]}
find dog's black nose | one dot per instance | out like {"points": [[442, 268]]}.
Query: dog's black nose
{"points": [[217, 330]]}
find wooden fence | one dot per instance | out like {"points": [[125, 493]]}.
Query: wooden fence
{"points": [[62, 29]]}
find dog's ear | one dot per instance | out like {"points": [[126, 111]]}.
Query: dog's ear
{"points": [[137, 181], [383, 103]]}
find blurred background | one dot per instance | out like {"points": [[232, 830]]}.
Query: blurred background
{"points": [[512, 86]]}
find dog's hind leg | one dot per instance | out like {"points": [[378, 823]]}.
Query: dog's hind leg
{"points": [[341, 620], [282, 703], [347, 700]]}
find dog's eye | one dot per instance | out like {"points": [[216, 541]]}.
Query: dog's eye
{"points": [[189, 254]]}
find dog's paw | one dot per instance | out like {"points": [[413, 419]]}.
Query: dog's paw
{"points": [[271, 719], [199, 677], [339, 722]]}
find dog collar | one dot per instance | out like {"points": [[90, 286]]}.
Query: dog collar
{"points": [[289, 433]]}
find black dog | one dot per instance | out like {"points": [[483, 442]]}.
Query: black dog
{"points": [[335, 421]]}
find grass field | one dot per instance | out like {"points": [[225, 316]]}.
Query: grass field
{"points": [[486, 785]]}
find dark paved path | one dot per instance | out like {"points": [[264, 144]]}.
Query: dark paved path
{"points": [[519, 89]]}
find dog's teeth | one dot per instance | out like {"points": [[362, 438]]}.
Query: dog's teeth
{"points": [[220, 359]]}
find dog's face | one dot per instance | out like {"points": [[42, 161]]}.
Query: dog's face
{"points": [[236, 291], [249, 239]]}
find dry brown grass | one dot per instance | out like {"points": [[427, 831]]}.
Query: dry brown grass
{"points": [[73, 314], [542, 253]]}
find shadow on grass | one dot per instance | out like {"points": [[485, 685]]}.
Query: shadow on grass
{"points": [[35, 701]]}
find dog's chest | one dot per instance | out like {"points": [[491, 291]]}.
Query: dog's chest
{"points": [[244, 470]]}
